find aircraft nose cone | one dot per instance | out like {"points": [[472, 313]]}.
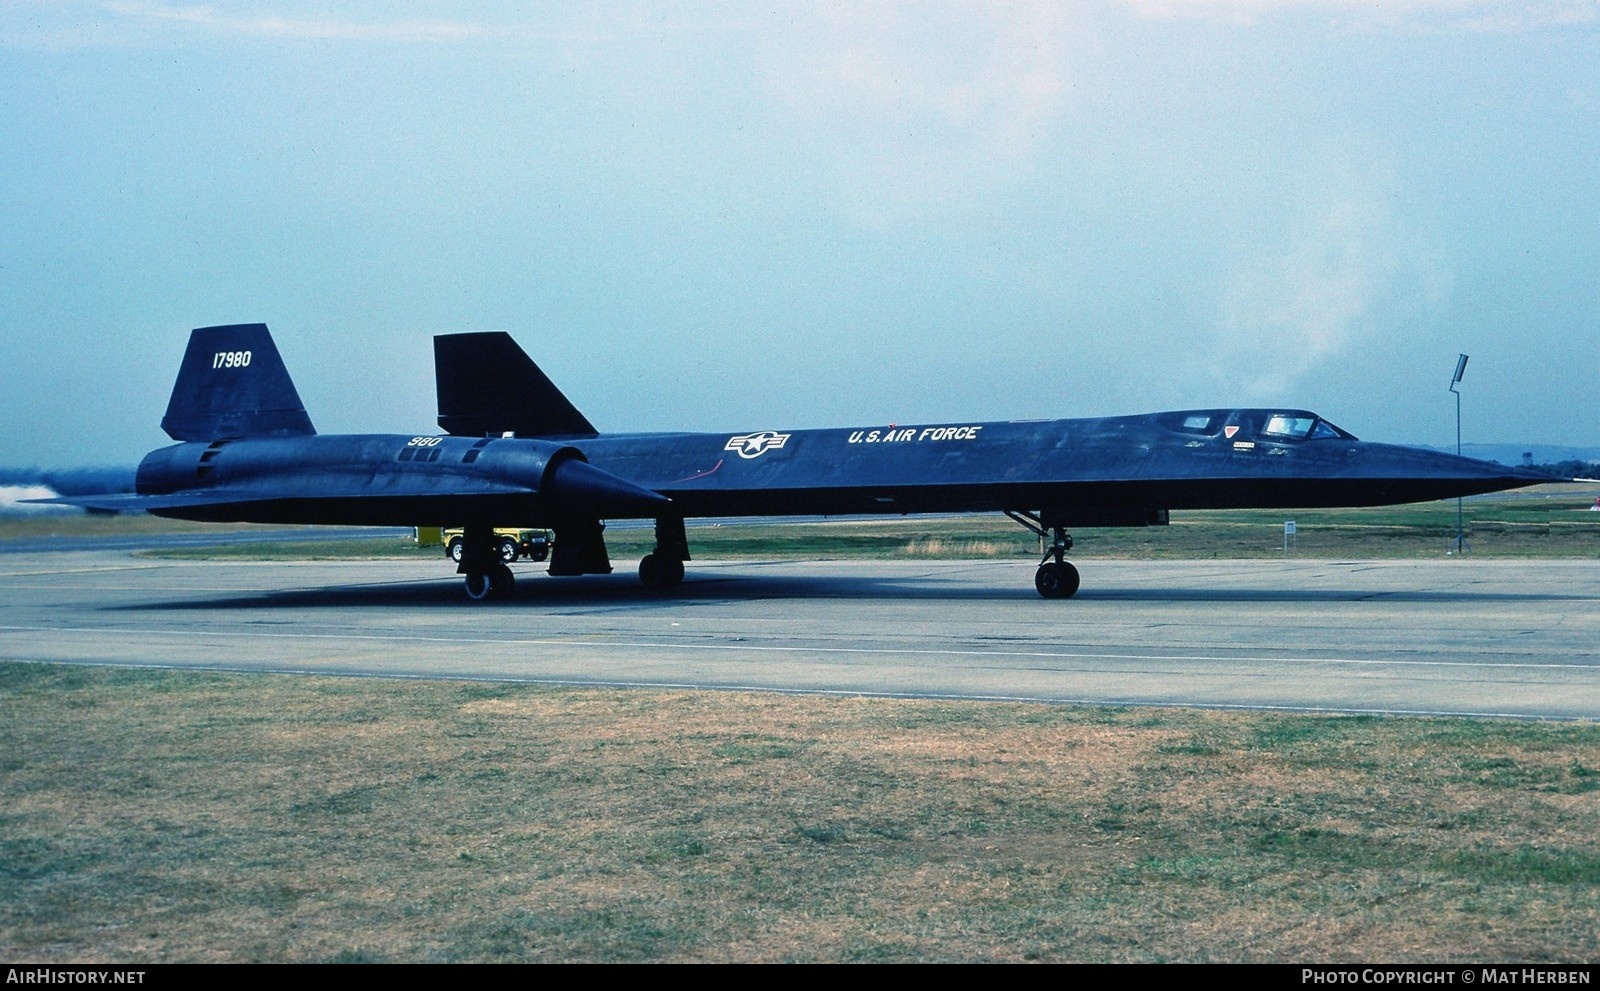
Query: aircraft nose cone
{"points": [[1531, 477], [1420, 475], [580, 485], [1502, 476]]}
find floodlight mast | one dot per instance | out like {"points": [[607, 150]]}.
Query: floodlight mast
{"points": [[1461, 369]]}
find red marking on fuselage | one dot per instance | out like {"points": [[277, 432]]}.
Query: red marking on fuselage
{"points": [[709, 471]]}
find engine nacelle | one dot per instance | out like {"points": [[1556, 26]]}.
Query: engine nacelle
{"points": [[430, 477], [567, 483]]}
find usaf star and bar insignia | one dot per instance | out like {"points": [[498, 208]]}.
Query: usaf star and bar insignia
{"points": [[756, 444]]}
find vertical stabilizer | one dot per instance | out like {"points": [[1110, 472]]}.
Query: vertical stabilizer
{"points": [[233, 384], [488, 385]]}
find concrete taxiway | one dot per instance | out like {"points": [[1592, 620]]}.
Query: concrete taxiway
{"points": [[1447, 636]]}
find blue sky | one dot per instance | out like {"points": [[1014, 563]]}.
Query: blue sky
{"points": [[729, 216]]}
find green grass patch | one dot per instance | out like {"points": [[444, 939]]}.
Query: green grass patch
{"points": [[347, 549]]}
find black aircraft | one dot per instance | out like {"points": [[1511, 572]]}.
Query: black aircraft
{"points": [[518, 453]]}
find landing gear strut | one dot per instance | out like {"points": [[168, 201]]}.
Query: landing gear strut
{"points": [[487, 575], [663, 567], [1056, 577], [580, 549]]}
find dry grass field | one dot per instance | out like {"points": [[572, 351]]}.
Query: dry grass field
{"points": [[160, 816]]}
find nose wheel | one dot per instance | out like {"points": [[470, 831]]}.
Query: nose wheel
{"points": [[1056, 581], [1056, 578]]}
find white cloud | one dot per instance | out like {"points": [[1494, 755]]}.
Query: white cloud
{"points": [[1465, 15], [265, 25], [77, 23], [1341, 275], [1001, 68], [927, 100]]}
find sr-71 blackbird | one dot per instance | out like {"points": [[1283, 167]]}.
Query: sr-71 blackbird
{"points": [[518, 453]]}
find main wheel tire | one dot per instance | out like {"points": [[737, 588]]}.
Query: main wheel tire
{"points": [[671, 573], [660, 572], [501, 582], [1056, 581], [508, 550], [479, 587], [455, 550]]}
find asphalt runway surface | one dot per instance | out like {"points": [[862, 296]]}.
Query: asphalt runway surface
{"points": [[1448, 636]]}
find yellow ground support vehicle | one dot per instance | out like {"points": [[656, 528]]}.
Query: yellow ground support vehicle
{"points": [[513, 544]]}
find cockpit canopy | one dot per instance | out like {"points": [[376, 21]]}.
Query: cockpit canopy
{"points": [[1249, 424], [1300, 426]]}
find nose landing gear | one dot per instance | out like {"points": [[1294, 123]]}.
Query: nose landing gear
{"points": [[1056, 577], [1056, 580]]}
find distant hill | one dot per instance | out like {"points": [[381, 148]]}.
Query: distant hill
{"points": [[1511, 454]]}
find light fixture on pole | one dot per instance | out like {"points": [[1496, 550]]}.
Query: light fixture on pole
{"points": [[1461, 369]]}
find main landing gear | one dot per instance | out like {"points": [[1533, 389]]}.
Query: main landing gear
{"points": [[663, 567], [579, 549], [488, 576], [1056, 577], [498, 583]]}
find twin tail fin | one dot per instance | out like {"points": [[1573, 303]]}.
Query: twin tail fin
{"points": [[489, 386], [233, 384]]}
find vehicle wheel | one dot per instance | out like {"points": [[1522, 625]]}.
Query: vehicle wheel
{"points": [[1056, 581], [508, 550], [454, 550], [478, 587], [649, 569]]}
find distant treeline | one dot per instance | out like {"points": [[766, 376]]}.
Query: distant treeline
{"points": [[72, 481], [1570, 469]]}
